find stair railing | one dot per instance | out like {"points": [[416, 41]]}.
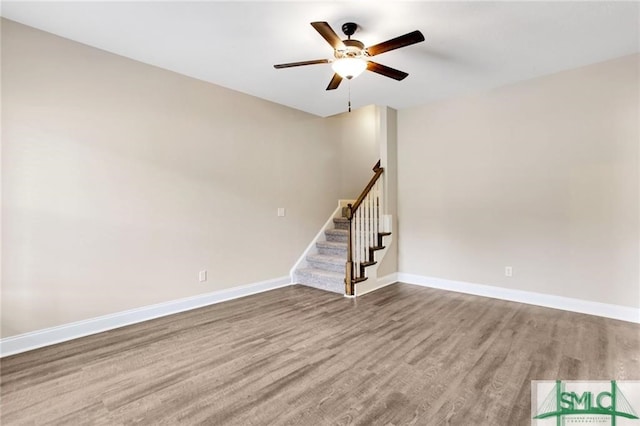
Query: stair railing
{"points": [[364, 230]]}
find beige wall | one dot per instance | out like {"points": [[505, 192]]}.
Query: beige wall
{"points": [[541, 176], [121, 181], [387, 125], [359, 148]]}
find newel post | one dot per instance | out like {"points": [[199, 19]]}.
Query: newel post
{"points": [[348, 276]]}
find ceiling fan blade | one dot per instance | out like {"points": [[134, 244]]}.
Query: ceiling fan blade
{"points": [[299, 64], [335, 82], [386, 71], [396, 43], [328, 34]]}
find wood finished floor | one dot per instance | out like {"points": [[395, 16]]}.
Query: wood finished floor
{"points": [[299, 356]]}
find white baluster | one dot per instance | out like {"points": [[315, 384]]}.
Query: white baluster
{"points": [[362, 241], [358, 242], [373, 218], [375, 211], [365, 241], [369, 221], [369, 211], [380, 209], [358, 232], [352, 243], [369, 228], [356, 248]]}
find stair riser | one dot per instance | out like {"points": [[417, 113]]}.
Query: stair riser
{"points": [[333, 285], [333, 267], [340, 238], [306, 279], [340, 224]]}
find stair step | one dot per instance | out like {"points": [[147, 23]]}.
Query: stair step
{"points": [[338, 235], [332, 248], [324, 280], [341, 223], [359, 280], [365, 264], [384, 234], [374, 248], [327, 262]]}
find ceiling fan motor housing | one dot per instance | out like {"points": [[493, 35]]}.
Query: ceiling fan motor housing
{"points": [[353, 49]]}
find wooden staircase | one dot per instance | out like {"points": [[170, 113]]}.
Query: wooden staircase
{"points": [[345, 253]]}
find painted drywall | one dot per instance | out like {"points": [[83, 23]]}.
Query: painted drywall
{"points": [[387, 130], [121, 181], [356, 135], [541, 176]]}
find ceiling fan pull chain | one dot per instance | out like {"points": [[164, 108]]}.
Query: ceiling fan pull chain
{"points": [[349, 95]]}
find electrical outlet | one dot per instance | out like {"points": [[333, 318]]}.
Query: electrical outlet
{"points": [[508, 271], [281, 212], [202, 276]]}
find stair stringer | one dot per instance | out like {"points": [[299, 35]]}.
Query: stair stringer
{"points": [[302, 262], [371, 272]]}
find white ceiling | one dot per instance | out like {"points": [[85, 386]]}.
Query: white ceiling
{"points": [[470, 46]]}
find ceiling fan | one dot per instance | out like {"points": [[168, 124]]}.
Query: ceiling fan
{"points": [[351, 56]]}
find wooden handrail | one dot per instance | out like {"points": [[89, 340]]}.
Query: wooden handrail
{"points": [[378, 172]]}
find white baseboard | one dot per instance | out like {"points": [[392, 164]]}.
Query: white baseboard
{"points": [[49, 336], [623, 313], [387, 280], [380, 282]]}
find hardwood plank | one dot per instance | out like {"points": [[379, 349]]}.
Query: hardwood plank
{"points": [[401, 355]]}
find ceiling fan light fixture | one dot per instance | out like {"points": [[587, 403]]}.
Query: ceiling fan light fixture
{"points": [[349, 67], [351, 55]]}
